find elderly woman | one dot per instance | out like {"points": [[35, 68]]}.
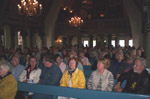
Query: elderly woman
{"points": [[8, 84], [101, 79]]}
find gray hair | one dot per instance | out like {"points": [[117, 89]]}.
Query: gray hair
{"points": [[5, 65], [143, 61]]}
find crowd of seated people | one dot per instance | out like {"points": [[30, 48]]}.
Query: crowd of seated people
{"points": [[65, 67]]}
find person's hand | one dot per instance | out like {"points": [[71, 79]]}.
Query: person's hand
{"points": [[118, 75], [119, 90], [117, 86], [25, 81]]}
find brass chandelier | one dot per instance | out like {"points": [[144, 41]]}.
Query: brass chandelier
{"points": [[76, 21], [30, 7]]}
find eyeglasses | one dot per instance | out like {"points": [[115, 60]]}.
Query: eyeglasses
{"points": [[137, 65]]}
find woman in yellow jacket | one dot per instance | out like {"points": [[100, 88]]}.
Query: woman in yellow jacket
{"points": [[73, 77], [8, 84]]}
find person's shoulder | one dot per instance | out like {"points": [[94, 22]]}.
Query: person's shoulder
{"points": [[95, 72], [21, 66], [38, 69], [56, 68], [107, 71], [145, 73], [11, 78]]}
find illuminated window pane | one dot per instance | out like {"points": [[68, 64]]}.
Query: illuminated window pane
{"points": [[131, 43], [19, 38], [86, 43], [122, 43], [94, 43], [113, 43]]}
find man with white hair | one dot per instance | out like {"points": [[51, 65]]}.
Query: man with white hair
{"points": [[8, 84], [138, 79]]}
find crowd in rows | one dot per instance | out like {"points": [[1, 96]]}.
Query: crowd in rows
{"points": [[64, 67]]}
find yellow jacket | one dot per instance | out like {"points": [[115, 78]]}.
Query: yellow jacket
{"points": [[78, 79], [8, 87]]}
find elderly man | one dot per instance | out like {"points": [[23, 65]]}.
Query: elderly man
{"points": [[16, 68], [51, 75], [138, 79], [8, 84]]}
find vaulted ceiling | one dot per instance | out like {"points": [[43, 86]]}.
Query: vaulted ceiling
{"points": [[90, 10]]}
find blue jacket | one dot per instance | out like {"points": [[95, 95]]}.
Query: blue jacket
{"points": [[51, 76]]}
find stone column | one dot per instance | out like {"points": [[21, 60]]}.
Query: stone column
{"points": [[147, 35], [24, 34], [7, 36], [70, 41], [91, 40], [31, 38], [135, 18], [97, 42], [64, 40], [101, 40], [12, 33], [79, 41], [116, 41], [50, 22], [109, 40]]}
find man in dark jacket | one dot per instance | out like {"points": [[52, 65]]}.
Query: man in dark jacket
{"points": [[138, 79], [51, 75]]}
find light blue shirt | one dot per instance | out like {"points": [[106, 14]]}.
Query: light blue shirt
{"points": [[16, 71]]}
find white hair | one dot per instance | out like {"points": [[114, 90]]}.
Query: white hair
{"points": [[143, 61], [5, 65]]}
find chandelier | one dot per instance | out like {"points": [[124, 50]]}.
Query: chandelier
{"points": [[76, 21], [29, 7]]}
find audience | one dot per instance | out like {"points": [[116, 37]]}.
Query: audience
{"points": [[70, 64]]}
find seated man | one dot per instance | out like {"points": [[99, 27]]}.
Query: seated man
{"points": [[16, 68], [51, 75], [8, 84], [138, 79]]}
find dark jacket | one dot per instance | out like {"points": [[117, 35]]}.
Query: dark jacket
{"points": [[124, 67], [51, 76], [114, 67], [136, 83]]}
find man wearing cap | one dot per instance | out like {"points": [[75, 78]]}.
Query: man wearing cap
{"points": [[138, 79]]}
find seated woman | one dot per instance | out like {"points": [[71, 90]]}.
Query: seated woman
{"points": [[32, 73], [84, 59], [59, 63], [73, 77], [101, 78]]}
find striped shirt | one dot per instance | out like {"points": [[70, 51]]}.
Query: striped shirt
{"points": [[102, 82]]}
